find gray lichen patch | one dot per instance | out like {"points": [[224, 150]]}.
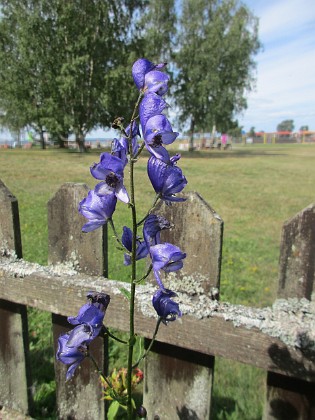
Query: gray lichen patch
{"points": [[290, 320]]}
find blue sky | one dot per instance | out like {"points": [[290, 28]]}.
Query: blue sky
{"points": [[285, 86]]}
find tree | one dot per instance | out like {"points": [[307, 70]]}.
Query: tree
{"points": [[304, 128], [156, 30], [216, 44], [58, 62], [252, 132], [286, 125]]}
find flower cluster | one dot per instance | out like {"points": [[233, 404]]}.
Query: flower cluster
{"points": [[166, 178], [73, 346], [99, 206], [118, 382]]}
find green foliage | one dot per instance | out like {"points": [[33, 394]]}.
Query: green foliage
{"points": [[286, 125], [216, 44], [157, 29], [60, 63]]}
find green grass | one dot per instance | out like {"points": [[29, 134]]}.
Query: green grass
{"points": [[253, 188]]}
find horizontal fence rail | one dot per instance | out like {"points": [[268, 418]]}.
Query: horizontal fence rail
{"points": [[279, 339]]}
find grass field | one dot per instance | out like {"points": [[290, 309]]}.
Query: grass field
{"points": [[253, 188]]}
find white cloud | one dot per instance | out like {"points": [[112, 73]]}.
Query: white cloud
{"points": [[285, 68]]}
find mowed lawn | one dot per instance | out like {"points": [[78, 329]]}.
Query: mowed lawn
{"points": [[254, 188]]}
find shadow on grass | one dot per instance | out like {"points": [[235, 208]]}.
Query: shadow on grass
{"points": [[224, 408]]}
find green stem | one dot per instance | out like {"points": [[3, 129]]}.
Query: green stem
{"points": [[133, 266], [140, 150], [150, 345], [156, 199], [145, 276], [99, 371], [111, 222], [106, 331]]}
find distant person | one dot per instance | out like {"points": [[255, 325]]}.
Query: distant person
{"points": [[224, 140]]}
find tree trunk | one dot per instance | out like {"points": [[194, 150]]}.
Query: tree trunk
{"points": [[191, 139], [42, 140], [80, 140]]}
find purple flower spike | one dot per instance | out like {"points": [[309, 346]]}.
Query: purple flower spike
{"points": [[140, 68], [152, 227], [70, 355], [152, 104], [97, 209], [165, 307], [157, 82], [141, 251], [166, 178]]}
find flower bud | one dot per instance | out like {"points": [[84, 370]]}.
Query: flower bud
{"points": [[141, 412]]}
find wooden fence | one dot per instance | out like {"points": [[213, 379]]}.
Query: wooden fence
{"points": [[179, 370]]}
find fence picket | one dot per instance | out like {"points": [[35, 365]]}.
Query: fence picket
{"points": [[289, 397], [15, 377], [67, 244], [184, 374]]}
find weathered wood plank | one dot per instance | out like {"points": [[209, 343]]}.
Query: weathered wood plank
{"points": [[280, 339], [197, 231], [10, 233], [14, 364], [293, 398], [87, 254]]}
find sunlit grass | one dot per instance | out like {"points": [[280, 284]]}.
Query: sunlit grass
{"points": [[253, 188]]}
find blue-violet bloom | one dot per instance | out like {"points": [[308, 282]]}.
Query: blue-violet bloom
{"points": [[152, 228], [72, 356], [97, 209], [158, 131], [166, 178], [166, 257], [110, 169], [157, 82], [152, 104], [93, 311], [140, 68], [165, 307]]}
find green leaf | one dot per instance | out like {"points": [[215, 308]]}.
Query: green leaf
{"points": [[113, 410], [126, 293], [116, 411]]}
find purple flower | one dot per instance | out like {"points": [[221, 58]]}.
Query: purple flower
{"points": [[165, 307], [73, 346], [97, 209], [152, 104], [166, 178], [152, 227], [110, 169], [156, 81], [158, 131], [166, 257], [70, 355], [141, 251], [140, 68], [93, 311], [120, 149]]}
